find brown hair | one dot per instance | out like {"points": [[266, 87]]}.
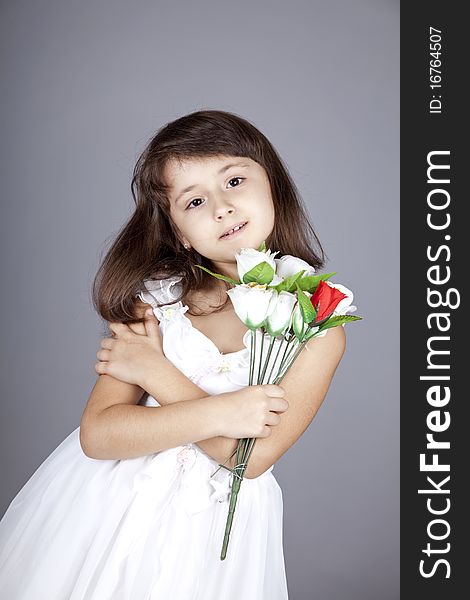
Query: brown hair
{"points": [[148, 246]]}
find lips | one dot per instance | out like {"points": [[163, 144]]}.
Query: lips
{"points": [[237, 227]]}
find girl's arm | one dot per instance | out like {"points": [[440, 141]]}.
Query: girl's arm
{"points": [[114, 427], [149, 429], [173, 387]]}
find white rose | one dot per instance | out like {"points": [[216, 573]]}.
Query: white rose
{"points": [[280, 319], [248, 258], [252, 303], [290, 265]]}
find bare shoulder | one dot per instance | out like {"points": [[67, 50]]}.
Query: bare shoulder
{"points": [[334, 342], [320, 358]]}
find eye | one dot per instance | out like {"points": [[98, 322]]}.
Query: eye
{"points": [[194, 200], [233, 179]]}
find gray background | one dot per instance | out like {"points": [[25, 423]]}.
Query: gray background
{"points": [[85, 85]]}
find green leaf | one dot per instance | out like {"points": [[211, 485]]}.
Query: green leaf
{"points": [[262, 273], [223, 277], [310, 283], [288, 285], [306, 308], [338, 320], [262, 247]]}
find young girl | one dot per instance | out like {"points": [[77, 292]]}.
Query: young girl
{"points": [[125, 508]]}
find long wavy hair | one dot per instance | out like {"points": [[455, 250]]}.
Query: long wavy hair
{"points": [[148, 247]]}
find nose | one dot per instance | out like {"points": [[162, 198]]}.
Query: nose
{"points": [[222, 208]]}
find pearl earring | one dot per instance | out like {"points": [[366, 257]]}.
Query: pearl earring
{"points": [[186, 246]]}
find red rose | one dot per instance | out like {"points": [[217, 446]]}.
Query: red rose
{"points": [[325, 299]]}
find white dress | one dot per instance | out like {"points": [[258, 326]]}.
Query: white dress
{"points": [[151, 527]]}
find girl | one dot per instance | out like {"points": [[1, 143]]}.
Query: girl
{"points": [[127, 506]]}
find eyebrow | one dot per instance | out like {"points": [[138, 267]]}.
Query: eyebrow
{"points": [[222, 170]]}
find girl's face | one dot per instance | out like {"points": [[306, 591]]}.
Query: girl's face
{"points": [[212, 195]]}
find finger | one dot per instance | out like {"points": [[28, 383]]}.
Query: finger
{"points": [[100, 368], [107, 343], [275, 391], [273, 419], [279, 405], [119, 328], [151, 324], [103, 355]]}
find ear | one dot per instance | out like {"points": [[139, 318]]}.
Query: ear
{"points": [[181, 239]]}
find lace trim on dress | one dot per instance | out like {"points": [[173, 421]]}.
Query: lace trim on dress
{"points": [[160, 292]]}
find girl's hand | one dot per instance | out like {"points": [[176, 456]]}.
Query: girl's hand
{"points": [[130, 356], [252, 411]]}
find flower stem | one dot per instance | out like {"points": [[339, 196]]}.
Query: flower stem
{"points": [[222, 465], [288, 347], [275, 360], [298, 352], [266, 362], [260, 356], [286, 358], [241, 460], [231, 510], [251, 447], [252, 353]]}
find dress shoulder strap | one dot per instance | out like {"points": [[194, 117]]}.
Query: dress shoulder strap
{"points": [[160, 292]]}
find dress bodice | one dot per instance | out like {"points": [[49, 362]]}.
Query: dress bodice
{"points": [[189, 349]]}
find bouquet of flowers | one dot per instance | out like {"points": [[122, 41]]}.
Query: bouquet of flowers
{"points": [[284, 301]]}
